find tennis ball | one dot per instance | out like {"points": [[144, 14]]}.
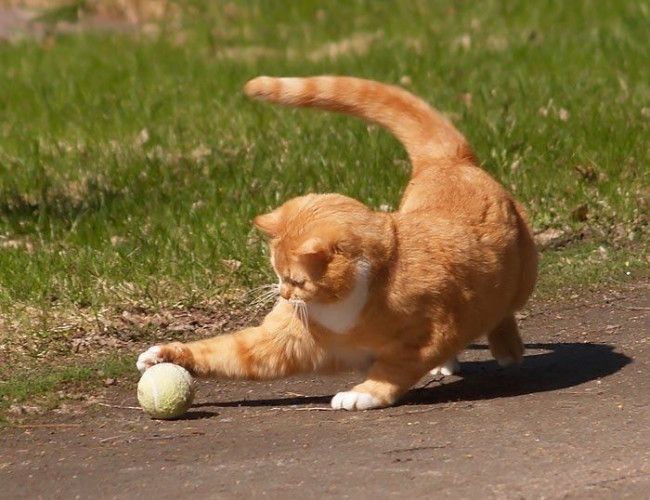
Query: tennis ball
{"points": [[166, 391]]}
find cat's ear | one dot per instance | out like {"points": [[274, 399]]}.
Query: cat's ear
{"points": [[269, 223]]}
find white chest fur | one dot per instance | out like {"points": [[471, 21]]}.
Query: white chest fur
{"points": [[340, 317]]}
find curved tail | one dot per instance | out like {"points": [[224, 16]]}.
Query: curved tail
{"points": [[425, 134]]}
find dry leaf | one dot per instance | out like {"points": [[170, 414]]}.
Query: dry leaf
{"points": [[231, 264], [200, 152], [142, 138], [587, 172], [580, 213]]}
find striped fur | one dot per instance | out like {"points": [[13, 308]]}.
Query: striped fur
{"points": [[426, 135], [452, 264]]}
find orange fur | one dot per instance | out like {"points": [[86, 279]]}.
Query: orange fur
{"points": [[404, 291]]}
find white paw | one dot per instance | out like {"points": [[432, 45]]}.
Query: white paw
{"points": [[353, 400], [149, 358], [449, 368]]}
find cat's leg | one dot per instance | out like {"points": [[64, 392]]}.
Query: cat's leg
{"points": [[387, 381], [505, 343], [279, 347], [450, 367]]}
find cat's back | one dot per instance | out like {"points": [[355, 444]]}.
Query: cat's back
{"points": [[459, 191], [459, 229], [457, 216]]}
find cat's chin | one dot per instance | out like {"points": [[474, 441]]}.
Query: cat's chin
{"points": [[312, 302]]}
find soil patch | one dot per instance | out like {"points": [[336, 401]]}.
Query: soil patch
{"points": [[572, 422]]}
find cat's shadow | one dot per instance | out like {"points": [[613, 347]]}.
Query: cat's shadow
{"points": [[559, 366]]}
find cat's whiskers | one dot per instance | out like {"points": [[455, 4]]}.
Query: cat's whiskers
{"points": [[263, 295], [260, 290], [300, 311], [294, 315], [305, 316]]}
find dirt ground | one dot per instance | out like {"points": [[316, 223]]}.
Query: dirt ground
{"points": [[572, 422]]}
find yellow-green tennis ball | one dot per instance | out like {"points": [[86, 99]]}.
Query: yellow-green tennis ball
{"points": [[166, 391]]}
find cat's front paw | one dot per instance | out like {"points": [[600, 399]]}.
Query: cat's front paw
{"points": [[176, 353], [353, 400], [148, 358], [451, 367]]}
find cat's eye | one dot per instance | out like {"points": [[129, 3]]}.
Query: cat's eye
{"points": [[294, 282]]}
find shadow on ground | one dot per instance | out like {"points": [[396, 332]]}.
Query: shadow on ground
{"points": [[560, 366]]}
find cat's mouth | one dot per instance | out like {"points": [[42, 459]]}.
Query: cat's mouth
{"points": [[297, 303]]}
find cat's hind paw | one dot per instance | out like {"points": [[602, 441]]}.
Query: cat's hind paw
{"points": [[148, 358], [451, 367], [506, 361], [353, 400]]}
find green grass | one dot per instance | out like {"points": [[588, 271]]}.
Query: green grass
{"points": [[97, 214], [587, 266], [25, 387]]}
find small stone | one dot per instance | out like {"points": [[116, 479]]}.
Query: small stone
{"points": [[550, 237], [16, 410], [180, 327], [405, 80]]}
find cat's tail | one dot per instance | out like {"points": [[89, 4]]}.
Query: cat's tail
{"points": [[424, 132]]}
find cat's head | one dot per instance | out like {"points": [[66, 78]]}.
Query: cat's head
{"points": [[316, 243]]}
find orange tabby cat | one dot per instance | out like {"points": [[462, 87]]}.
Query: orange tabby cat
{"points": [[399, 293]]}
